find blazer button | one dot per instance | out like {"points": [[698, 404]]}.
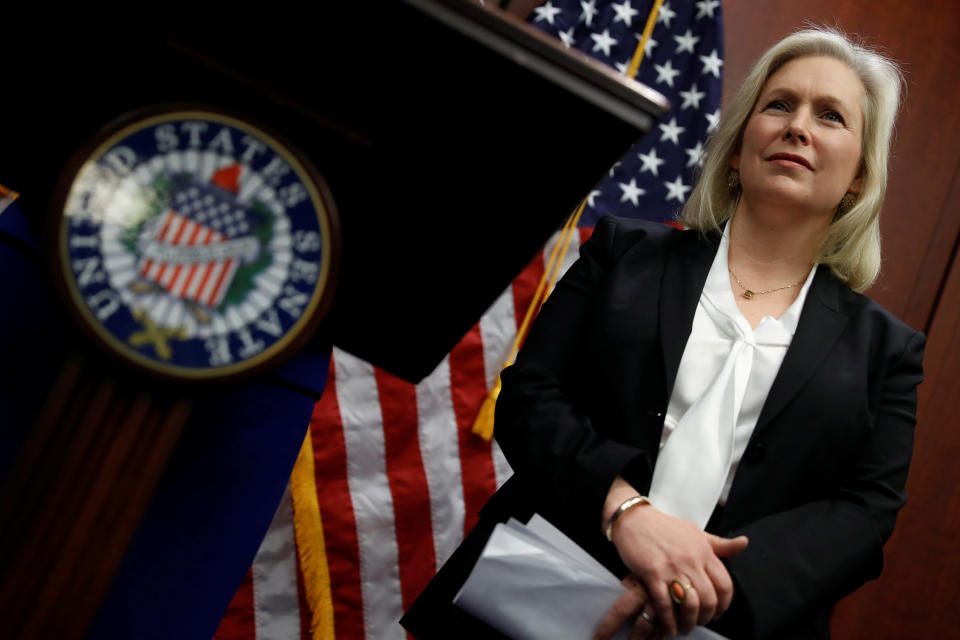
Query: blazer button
{"points": [[755, 452]]}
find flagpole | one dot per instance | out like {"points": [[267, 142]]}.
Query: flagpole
{"points": [[642, 46]]}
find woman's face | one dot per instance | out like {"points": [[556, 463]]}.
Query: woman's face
{"points": [[801, 147]]}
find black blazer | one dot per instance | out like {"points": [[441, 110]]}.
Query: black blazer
{"points": [[823, 476]]}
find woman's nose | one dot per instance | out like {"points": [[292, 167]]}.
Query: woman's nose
{"points": [[793, 132], [797, 129]]}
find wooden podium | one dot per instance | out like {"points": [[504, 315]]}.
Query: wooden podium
{"points": [[451, 141]]}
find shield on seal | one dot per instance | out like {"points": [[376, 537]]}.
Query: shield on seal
{"points": [[194, 248]]}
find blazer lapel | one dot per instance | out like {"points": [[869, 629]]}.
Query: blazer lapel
{"points": [[684, 275], [820, 325]]}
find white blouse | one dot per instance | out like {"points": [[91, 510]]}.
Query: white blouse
{"points": [[725, 374]]}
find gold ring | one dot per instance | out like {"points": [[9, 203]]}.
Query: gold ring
{"points": [[678, 591]]}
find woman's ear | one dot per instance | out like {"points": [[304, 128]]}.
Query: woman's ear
{"points": [[856, 186], [735, 161]]}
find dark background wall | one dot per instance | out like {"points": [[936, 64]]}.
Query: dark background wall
{"points": [[918, 594]]}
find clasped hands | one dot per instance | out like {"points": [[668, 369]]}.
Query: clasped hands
{"points": [[660, 549]]}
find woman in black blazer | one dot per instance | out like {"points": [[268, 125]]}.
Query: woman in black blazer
{"points": [[794, 181]]}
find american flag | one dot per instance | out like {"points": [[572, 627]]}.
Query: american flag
{"points": [[399, 475]]}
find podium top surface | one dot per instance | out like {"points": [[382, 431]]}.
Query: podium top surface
{"points": [[542, 54]]}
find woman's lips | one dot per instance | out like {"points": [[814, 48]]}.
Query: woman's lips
{"points": [[790, 160]]}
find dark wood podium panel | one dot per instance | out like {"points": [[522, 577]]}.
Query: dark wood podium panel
{"points": [[452, 148]]}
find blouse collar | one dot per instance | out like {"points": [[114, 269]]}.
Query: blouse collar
{"points": [[720, 292]]}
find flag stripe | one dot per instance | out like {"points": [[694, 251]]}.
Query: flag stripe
{"points": [[439, 448], [570, 256], [336, 511], [408, 484], [185, 225], [226, 276], [181, 276], [585, 233], [173, 225], [210, 278], [498, 330], [148, 264], [175, 271], [525, 285], [275, 604], [372, 502], [468, 388], [501, 467], [179, 280], [195, 281]]}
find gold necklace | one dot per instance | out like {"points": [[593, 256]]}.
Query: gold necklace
{"points": [[748, 294]]}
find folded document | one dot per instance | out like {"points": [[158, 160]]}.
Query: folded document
{"points": [[532, 582]]}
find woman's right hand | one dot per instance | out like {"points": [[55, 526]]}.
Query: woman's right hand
{"points": [[659, 549], [633, 606]]}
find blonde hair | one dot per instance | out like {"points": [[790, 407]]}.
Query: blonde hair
{"points": [[851, 247]]}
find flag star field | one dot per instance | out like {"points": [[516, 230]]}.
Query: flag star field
{"points": [[683, 60]]}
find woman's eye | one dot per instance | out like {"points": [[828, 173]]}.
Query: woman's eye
{"points": [[833, 116], [777, 105]]}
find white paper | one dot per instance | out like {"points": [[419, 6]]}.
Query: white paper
{"points": [[532, 582]]}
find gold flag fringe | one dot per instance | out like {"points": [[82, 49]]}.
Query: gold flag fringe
{"points": [[312, 550]]}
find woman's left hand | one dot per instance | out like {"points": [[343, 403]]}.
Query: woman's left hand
{"points": [[634, 604], [659, 549]]}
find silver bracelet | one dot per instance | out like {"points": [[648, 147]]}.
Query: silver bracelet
{"points": [[625, 506]]}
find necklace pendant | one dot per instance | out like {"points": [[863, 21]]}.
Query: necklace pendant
{"points": [[748, 294]]}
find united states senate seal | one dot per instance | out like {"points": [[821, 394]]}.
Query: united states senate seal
{"points": [[195, 245]]}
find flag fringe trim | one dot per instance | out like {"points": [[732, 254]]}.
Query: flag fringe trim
{"points": [[311, 548]]}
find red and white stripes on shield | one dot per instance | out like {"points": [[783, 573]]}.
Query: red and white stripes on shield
{"points": [[202, 282]]}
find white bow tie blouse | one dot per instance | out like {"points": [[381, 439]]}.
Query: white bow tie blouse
{"points": [[725, 374]]}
